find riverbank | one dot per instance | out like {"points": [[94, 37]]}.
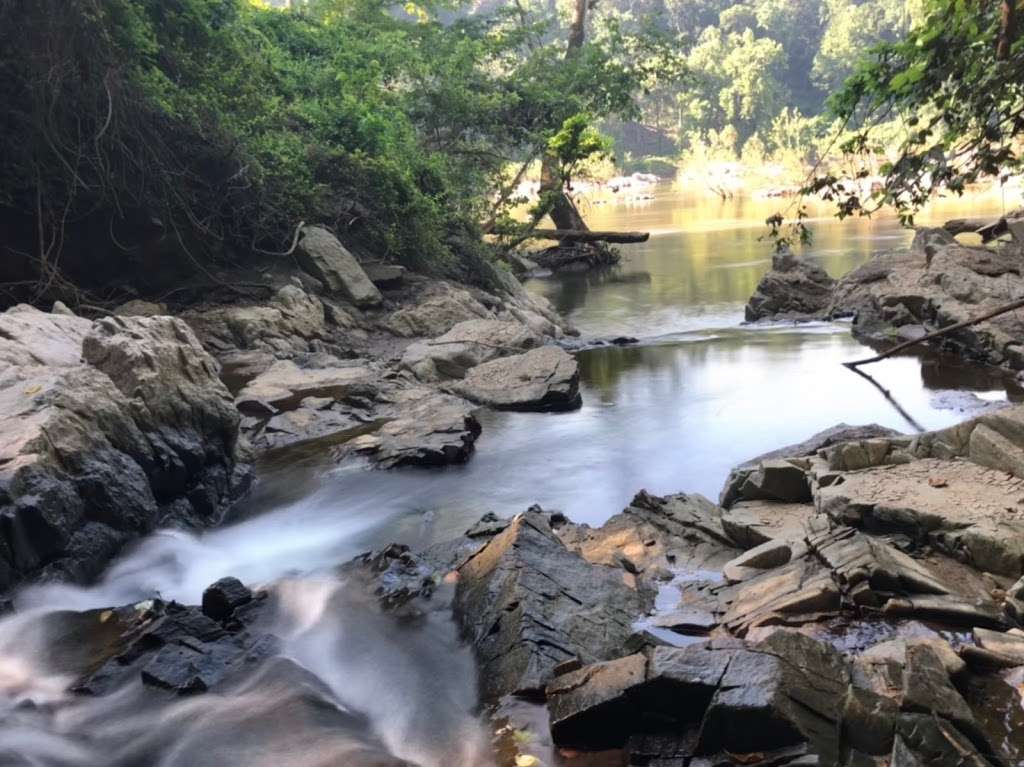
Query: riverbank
{"points": [[581, 640]]}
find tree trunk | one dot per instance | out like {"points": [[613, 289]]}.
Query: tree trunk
{"points": [[1007, 29], [564, 213]]}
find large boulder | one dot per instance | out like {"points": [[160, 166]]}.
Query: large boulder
{"points": [[934, 284], [547, 378], [325, 258], [795, 289], [528, 604], [96, 451]]}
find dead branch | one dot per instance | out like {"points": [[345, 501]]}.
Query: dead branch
{"points": [[1019, 303]]}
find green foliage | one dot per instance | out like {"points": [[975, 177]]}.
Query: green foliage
{"points": [[960, 105], [576, 142], [224, 124]]}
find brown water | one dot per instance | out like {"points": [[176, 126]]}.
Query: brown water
{"points": [[699, 394]]}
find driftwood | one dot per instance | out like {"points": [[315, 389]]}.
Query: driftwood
{"points": [[589, 235], [1018, 304]]}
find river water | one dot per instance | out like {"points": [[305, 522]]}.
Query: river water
{"points": [[699, 393]]}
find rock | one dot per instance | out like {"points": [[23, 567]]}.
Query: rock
{"points": [[927, 689], [31, 337], [465, 346], [325, 258], [528, 604], [221, 598], [1010, 646], [293, 322], [286, 383], [140, 432], [973, 512], [938, 282], [139, 308], [841, 433], [178, 648], [428, 429], [541, 379], [772, 553], [59, 307], [781, 691], [385, 276], [591, 706], [795, 289], [438, 308]]}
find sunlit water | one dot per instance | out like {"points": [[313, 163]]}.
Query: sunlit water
{"points": [[697, 395]]}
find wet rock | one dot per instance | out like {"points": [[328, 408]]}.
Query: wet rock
{"points": [[222, 598], [465, 346], [178, 648], [781, 691], [394, 575], [591, 706], [101, 444], [489, 525], [795, 289], [527, 604], [325, 258], [541, 379]]}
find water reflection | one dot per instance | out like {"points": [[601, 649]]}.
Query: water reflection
{"points": [[706, 256]]}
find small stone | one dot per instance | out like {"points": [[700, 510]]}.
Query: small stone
{"points": [[221, 598]]}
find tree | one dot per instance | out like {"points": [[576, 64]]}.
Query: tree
{"points": [[957, 82]]}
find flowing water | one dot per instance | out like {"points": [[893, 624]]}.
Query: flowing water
{"points": [[698, 394]]}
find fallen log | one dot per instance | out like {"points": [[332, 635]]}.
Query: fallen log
{"points": [[1018, 304], [989, 229], [588, 235]]}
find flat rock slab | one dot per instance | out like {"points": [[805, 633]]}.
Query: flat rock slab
{"points": [[957, 505], [466, 345], [285, 384], [547, 378]]}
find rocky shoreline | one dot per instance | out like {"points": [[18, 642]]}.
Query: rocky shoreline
{"points": [[906, 294], [829, 612], [116, 427], [857, 599]]}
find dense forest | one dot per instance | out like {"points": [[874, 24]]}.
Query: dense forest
{"points": [[188, 133]]}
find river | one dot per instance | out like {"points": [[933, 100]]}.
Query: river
{"points": [[697, 394]]}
